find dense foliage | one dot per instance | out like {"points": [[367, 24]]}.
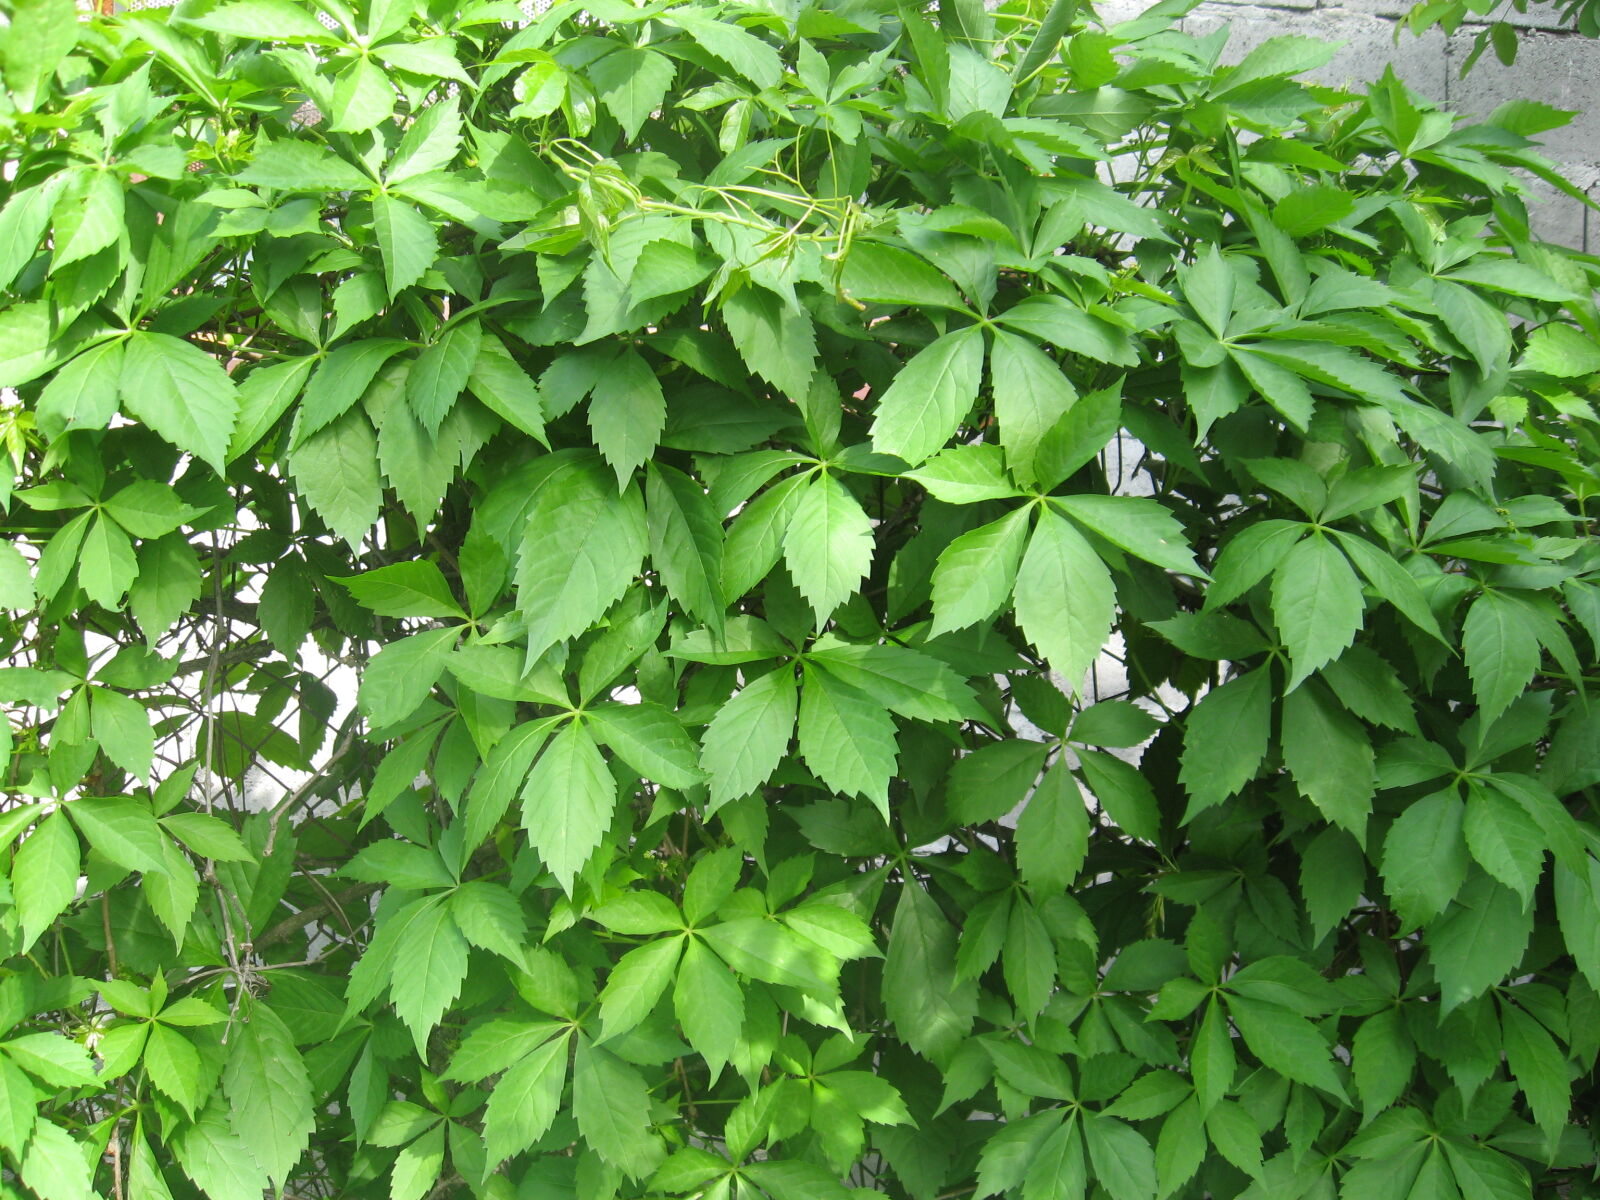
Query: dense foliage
{"points": [[749, 454]]}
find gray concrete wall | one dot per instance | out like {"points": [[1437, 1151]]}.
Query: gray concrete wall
{"points": [[1558, 68]]}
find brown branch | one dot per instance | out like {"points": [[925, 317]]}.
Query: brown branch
{"points": [[292, 924]]}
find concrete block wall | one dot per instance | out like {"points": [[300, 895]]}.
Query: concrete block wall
{"points": [[1553, 66]]}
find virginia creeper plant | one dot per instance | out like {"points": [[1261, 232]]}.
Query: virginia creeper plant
{"points": [[937, 603]]}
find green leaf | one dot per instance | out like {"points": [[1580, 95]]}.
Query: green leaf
{"points": [[417, 1167], [1333, 877], [122, 829], [1225, 739], [1478, 941], [991, 781], [1212, 1059], [1233, 1132], [1065, 325], [612, 1108], [54, 1167], [966, 474], [1144, 528], [77, 396], [106, 563], [52, 1059], [749, 736], [149, 509], [337, 471], [1124, 794], [362, 97], [1540, 1069], [264, 396], [88, 217], [650, 739], [1501, 649], [627, 413], [340, 380], [847, 739], [1053, 833], [217, 1158], [1065, 601], [685, 541], [906, 681], [490, 917], [269, 1091], [168, 583], [41, 34], [709, 1004], [430, 964], [977, 571], [925, 404], [430, 142], [1383, 1058], [1286, 1042], [775, 340], [524, 1102], [297, 165], [440, 373], [406, 240], [581, 547], [1484, 1174], [568, 802], [1180, 1148], [44, 875], [1425, 857], [632, 83], [1031, 394], [828, 545], [636, 984], [1012, 1152], [1122, 1161], [931, 1009], [265, 20], [399, 677], [1317, 604], [181, 392], [405, 589], [1330, 757], [1504, 841], [878, 273], [505, 388]]}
